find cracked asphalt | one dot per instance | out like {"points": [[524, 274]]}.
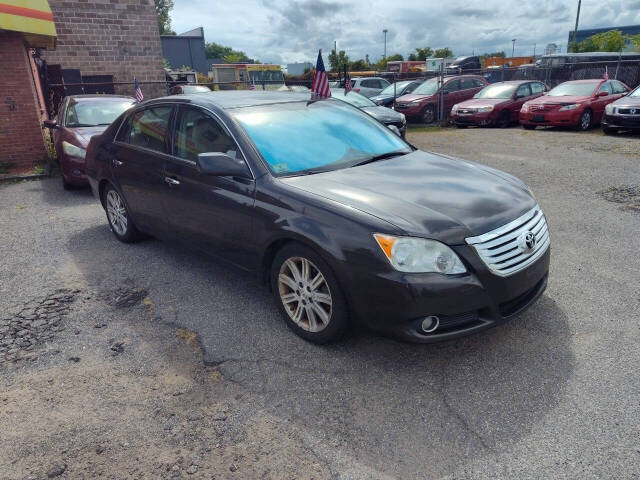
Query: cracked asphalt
{"points": [[553, 394]]}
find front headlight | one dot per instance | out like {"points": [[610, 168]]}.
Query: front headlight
{"points": [[454, 108], [419, 255], [572, 106], [486, 109], [609, 109], [404, 119], [524, 108], [72, 150]]}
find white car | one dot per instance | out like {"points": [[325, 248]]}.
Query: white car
{"points": [[368, 86]]}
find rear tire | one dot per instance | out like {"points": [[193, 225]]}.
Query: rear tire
{"points": [[528, 127], [118, 216], [586, 121], [66, 185], [308, 294]]}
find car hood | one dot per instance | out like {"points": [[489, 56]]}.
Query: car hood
{"points": [[425, 194], [413, 98], [384, 114], [627, 102], [84, 134], [482, 102], [546, 99]]}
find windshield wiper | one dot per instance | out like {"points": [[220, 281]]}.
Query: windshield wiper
{"points": [[382, 156]]}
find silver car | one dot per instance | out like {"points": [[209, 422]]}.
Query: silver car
{"points": [[384, 115], [368, 86]]}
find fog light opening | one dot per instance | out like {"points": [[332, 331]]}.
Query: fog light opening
{"points": [[430, 324]]}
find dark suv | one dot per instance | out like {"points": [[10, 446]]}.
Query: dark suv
{"points": [[422, 103], [464, 64]]}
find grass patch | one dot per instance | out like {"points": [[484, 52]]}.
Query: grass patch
{"points": [[189, 337]]}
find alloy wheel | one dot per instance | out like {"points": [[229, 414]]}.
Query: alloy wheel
{"points": [[428, 115], [585, 120], [305, 294], [116, 212]]}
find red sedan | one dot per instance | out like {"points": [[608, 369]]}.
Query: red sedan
{"points": [[577, 103], [422, 103], [497, 104], [79, 118]]}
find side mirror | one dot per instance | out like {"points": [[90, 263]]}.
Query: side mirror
{"points": [[52, 124], [221, 165], [602, 94]]}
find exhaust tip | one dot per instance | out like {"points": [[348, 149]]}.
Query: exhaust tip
{"points": [[430, 324]]}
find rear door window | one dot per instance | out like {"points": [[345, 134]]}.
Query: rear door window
{"points": [[618, 87], [149, 128]]}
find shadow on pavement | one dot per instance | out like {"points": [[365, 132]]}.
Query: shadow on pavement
{"points": [[402, 409]]}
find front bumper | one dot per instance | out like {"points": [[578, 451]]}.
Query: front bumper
{"points": [[623, 122], [479, 119], [551, 118], [73, 170], [395, 303], [410, 110]]}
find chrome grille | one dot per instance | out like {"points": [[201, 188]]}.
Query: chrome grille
{"points": [[505, 250]]}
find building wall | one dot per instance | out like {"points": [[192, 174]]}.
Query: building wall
{"points": [[110, 37], [21, 137], [186, 49]]}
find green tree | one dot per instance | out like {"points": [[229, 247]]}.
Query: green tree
{"points": [[611, 41], [163, 7], [443, 53], [337, 60], [228, 54], [495, 54], [382, 63], [359, 66], [635, 39], [421, 54]]}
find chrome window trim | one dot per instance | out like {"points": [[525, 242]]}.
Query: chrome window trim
{"points": [[170, 155]]}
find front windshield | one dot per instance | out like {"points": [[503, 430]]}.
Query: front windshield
{"points": [[195, 89], [635, 93], [427, 88], [354, 98], [87, 113], [574, 89], [496, 91], [399, 86], [307, 137]]}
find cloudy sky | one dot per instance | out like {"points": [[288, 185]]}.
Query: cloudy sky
{"points": [[283, 31]]}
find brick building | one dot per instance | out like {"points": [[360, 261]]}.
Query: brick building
{"points": [[81, 40], [117, 38]]}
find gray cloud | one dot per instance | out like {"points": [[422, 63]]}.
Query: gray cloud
{"points": [[282, 31]]}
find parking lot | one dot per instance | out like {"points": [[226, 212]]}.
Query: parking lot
{"points": [[149, 361]]}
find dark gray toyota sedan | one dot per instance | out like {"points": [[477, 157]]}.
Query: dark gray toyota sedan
{"points": [[345, 221]]}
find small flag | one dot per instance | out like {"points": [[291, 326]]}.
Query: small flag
{"points": [[347, 80], [139, 95], [606, 73], [320, 86]]}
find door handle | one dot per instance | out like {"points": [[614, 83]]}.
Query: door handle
{"points": [[116, 162], [171, 181]]}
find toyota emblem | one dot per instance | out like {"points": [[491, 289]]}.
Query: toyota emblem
{"points": [[527, 241]]}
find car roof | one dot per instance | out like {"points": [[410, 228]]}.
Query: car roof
{"points": [[234, 98], [87, 96], [367, 78], [514, 82], [586, 80]]}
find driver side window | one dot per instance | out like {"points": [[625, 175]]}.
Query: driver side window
{"points": [[523, 91], [606, 87], [452, 86], [197, 132]]}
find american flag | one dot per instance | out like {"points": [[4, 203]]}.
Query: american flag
{"points": [[320, 87], [139, 96], [347, 80]]}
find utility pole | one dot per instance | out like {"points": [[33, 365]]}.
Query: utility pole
{"points": [[575, 30], [534, 50], [513, 46], [385, 42]]}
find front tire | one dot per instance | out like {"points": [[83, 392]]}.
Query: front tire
{"points": [[504, 120], [308, 294], [118, 216], [428, 114], [586, 119], [527, 126], [609, 130]]}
